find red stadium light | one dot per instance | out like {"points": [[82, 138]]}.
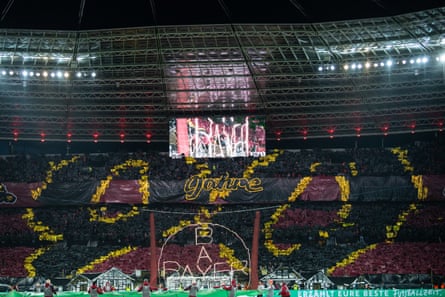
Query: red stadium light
{"points": [[15, 133], [385, 129], [358, 130], [148, 136], [122, 137], [412, 126], [95, 137], [42, 137], [278, 135], [68, 137], [331, 132], [440, 124], [305, 133]]}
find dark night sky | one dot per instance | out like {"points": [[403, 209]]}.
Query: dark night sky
{"points": [[65, 15]]}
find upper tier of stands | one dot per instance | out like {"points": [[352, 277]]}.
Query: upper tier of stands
{"points": [[425, 158]]}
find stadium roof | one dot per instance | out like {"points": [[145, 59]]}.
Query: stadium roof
{"points": [[83, 69]]}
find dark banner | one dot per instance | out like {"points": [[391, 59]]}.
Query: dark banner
{"points": [[223, 189], [435, 185], [68, 193], [387, 188], [242, 190]]}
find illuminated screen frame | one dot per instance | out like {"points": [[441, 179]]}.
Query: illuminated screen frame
{"points": [[217, 137]]}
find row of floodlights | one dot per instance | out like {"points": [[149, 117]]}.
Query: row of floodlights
{"points": [[329, 67], [388, 63], [358, 130], [278, 133], [69, 137], [47, 74]]}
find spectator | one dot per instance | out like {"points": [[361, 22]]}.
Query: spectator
{"points": [[145, 288], [193, 289], [284, 291], [94, 290], [108, 287], [231, 288], [270, 289], [48, 289]]}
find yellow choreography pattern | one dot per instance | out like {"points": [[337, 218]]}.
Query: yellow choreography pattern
{"points": [[351, 258], [45, 232], [229, 254], [95, 217], [113, 254], [30, 259], [143, 181], [35, 194]]}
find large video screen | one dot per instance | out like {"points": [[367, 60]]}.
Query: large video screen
{"points": [[217, 137]]}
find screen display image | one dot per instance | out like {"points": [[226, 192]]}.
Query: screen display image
{"points": [[217, 137]]}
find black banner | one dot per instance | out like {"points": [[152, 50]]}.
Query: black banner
{"points": [[224, 189]]}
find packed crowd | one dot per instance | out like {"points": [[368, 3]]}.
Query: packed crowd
{"points": [[426, 158], [84, 239]]}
